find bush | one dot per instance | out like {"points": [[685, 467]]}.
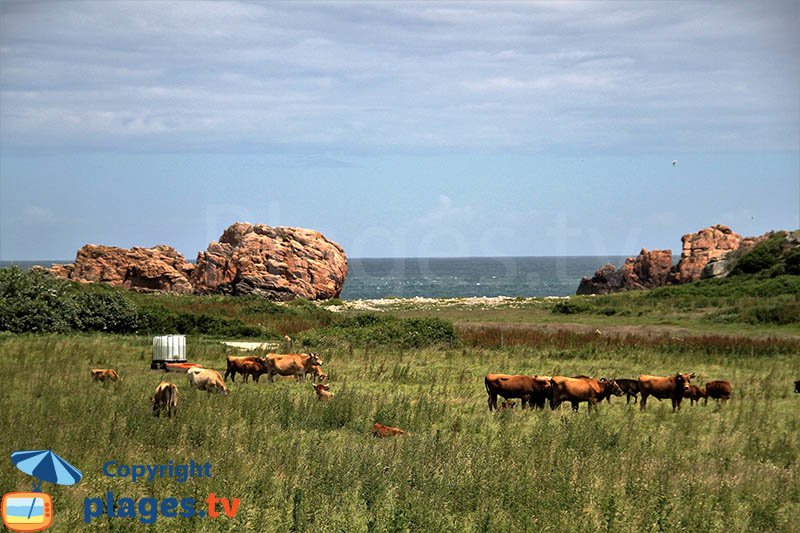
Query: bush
{"points": [[375, 329], [763, 256], [570, 307]]}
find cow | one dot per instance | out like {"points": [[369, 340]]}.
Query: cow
{"points": [[316, 373], [381, 431], [105, 375], [631, 389], [672, 387], [582, 389], [296, 364], [323, 392], [165, 397], [719, 390], [254, 368], [797, 386], [236, 364], [534, 390], [208, 380], [694, 394]]}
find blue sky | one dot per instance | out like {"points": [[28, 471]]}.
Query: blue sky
{"points": [[397, 129]]}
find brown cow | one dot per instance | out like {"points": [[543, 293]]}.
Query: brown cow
{"points": [[207, 379], [323, 392], [534, 390], [166, 396], [236, 364], [316, 373], [105, 375], [694, 394], [577, 390], [719, 390], [254, 368], [672, 387], [631, 389], [381, 431], [295, 364]]}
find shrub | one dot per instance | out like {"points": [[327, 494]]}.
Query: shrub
{"points": [[375, 329], [763, 256], [570, 307]]}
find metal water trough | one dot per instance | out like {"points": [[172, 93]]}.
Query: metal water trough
{"points": [[168, 349]]}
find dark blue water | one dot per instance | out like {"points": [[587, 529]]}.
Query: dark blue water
{"points": [[457, 277]]}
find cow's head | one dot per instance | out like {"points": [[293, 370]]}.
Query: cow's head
{"points": [[682, 381], [797, 386], [611, 387], [315, 359]]}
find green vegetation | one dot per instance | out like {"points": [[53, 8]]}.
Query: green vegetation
{"points": [[373, 329], [765, 257], [301, 465]]}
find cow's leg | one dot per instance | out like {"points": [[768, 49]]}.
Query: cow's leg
{"points": [[643, 403], [574, 406], [492, 401]]}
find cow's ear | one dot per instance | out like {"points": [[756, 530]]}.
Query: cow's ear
{"points": [[692, 375]]}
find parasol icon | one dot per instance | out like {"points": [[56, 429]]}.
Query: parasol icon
{"points": [[45, 465]]}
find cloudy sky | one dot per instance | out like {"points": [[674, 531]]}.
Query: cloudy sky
{"points": [[397, 129]]}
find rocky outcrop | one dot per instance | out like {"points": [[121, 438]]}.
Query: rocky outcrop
{"points": [[279, 263], [699, 248], [710, 252], [647, 270], [160, 268]]}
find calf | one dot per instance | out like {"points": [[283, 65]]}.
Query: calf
{"points": [[238, 364], [253, 368], [719, 390], [208, 380], [165, 397], [694, 394], [381, 431], [105, 375], [323, 392], [316, 373], [534, 390], [631, 389], [583, 389], [672, 387]]}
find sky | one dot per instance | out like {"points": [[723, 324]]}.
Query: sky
{"points": [[397, 129]]}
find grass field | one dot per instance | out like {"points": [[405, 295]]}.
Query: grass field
{"points": [[300, 465]]}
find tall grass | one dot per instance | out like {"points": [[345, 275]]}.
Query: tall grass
{"points": [[301, 465]]}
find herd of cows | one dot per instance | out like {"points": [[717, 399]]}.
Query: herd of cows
{"points": [[533, 391], [537, 390]]}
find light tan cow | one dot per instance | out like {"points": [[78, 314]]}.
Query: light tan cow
{"points": [[208, 380], [166, 397], [661, 387], [105, 374], [295, 364], [323, 392], [581, 389]]}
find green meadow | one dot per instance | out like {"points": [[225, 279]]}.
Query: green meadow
{"points": [[301, 465]]}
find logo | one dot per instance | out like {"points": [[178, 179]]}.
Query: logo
{"points": [[33, 511]]}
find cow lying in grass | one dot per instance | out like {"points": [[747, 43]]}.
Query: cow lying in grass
{"points": [[105, 374], [381, 431], [208, 380], [323, 392], [166, 397]]}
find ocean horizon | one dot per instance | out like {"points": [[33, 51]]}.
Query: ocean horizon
{"points": [[454, 277]]}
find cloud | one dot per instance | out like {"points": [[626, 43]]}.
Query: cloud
{"points": [[218, 76]]}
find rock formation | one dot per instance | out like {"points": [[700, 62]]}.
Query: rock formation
{"points": [[277, 262], [710, 252], [160, 268], [647, 270], [701, 247]]}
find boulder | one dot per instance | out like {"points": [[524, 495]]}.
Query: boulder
{"points": [[647, 270], [280, 263], [160, 268], [699, 248]]}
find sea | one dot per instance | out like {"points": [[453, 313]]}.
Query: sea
{"points": [[457, 277]]}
